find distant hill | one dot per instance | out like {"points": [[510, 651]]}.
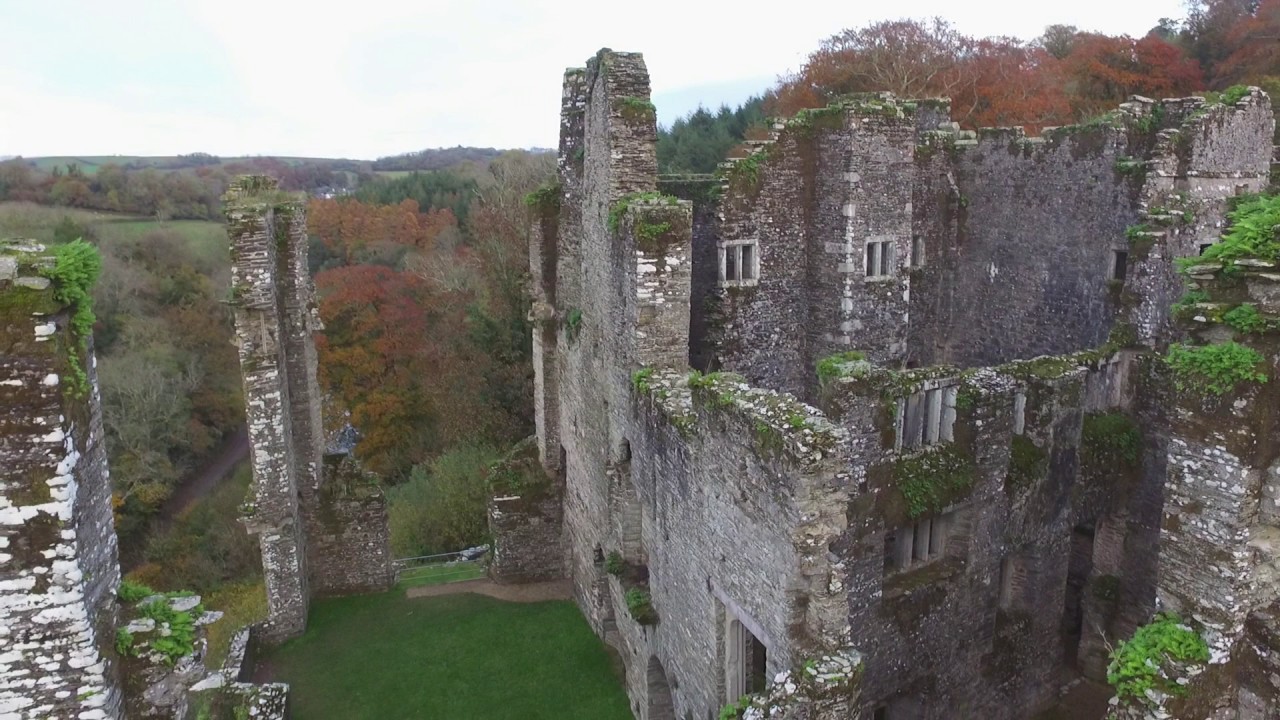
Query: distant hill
{"points": [[436, 158]]}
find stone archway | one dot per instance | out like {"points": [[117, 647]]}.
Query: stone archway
{"points": [[661, 704]]}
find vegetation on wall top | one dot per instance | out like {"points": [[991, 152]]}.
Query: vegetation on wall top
{"points": [[76, 267], [1214, 369], [1144, 662]]}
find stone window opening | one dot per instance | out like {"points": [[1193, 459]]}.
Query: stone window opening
{"points": [[745, 661], [921, 542], [1205, 246], [917, 251], [879, 259], [1020, 413], [739, 263], [1119, 264], [926, 417]]}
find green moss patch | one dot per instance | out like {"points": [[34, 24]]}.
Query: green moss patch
{"points": [[1110, 440], [545, 200], [839, 365], [619, 208], [1027, 464], [931, 480]]}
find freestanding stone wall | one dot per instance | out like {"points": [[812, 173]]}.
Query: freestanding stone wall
{"points": [[309, 523], [58, 560]]}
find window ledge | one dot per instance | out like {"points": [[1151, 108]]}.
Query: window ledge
{"points": [[921, 575], [738, 283]]}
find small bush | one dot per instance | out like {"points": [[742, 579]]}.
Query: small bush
{"points": [[1214, 369], [640, 605], [132, 592], [1251, 234], [124, 642], [734, 710], [614, 564]]}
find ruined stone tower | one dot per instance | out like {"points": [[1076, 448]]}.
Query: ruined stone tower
{"points": [[935, 450], [320, 531], [58, 564]]}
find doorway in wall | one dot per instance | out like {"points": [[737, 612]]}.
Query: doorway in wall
{"points": [[1079, 566]]}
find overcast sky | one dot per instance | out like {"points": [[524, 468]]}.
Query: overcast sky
{"points": [[366, 78]]}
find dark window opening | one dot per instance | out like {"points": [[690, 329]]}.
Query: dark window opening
{"points": [[1119, 265], [748, 263], [1205, 246]]}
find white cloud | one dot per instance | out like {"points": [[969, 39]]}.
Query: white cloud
{"points": [[377, 77]]}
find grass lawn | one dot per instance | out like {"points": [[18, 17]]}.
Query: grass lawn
{"points": [[456, 657], [440, 574]]}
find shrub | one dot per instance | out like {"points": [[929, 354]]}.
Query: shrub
{"points": [[181, 639], [1251, 233], [734, 710], [75, 269], [1140, 663], [1246, 319], [132, 592], [124, 642], [442, 507], [640, 605], [1214, 369], [614, 564]]}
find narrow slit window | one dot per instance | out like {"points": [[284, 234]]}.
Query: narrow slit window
{"points": [[917, 252], [731, 263], [1119, 264], [747, 262]]}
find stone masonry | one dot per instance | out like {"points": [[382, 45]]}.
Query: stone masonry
{"points": [[300, 523], [58, 567], [935, 465]]}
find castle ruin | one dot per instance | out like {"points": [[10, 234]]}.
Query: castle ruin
{"points": [[882, 423], [58, 560], [320, 520]]}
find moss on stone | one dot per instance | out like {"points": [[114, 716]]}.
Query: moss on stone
{"points": [[1110, 440], [840, 364], [933, 479], [1028, 463], [619, 208]]}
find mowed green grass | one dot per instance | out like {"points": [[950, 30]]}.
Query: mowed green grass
{"points": [[455, 657]]}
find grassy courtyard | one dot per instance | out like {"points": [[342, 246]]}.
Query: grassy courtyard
{"points": [[456, 656]]}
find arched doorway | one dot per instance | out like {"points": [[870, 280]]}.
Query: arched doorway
{"points": [[661, 705]]}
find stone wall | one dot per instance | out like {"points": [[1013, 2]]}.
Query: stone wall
{"points": [[321, 532], [525, 520], [58, 566], [259, 264], [349, 542], [697, 506]]}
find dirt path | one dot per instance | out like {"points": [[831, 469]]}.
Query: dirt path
{"points": [[202, 482], [193, 487], [533, 592]]}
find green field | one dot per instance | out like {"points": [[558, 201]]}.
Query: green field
{"points": [[207, 240], [379, 657]]}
